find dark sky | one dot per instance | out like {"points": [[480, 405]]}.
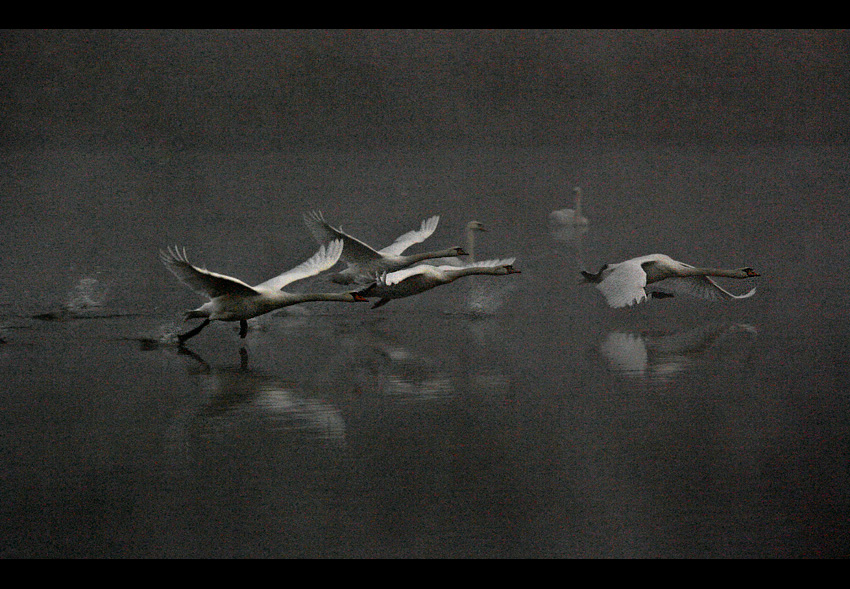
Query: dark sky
{"points": [[269, 89]]}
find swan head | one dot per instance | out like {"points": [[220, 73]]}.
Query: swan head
{"points": [[475, 226], [356, 297], [749, 272], [508, 269], [458, 251]]}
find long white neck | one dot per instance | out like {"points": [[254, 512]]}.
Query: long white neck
{"points": [[446, 253], [321, 296], [458, 272], [686, 271]]}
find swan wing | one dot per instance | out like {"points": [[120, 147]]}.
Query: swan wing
{"points": [[354, 250], [323, 259], [201, 280], [391, 278], [624, 285], [701, 287], [404, 241]]}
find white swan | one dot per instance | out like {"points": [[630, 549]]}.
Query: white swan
{"points": [[570, 216], [412, 281], [364, 261], [624, 284], [469, 232], [233, 300]]}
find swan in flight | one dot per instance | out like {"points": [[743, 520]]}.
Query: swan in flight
{"points": [[233, 300], [364, 262], [570, 216], [418, 279], [624, 284]]}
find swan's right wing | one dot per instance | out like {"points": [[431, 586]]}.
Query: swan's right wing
{"points": [[624, 285], [201, 280], [701, 287], [322, 260], [404, 241], [354, 251]]}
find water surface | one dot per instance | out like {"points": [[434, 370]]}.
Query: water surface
{"points": [[548, 426]]}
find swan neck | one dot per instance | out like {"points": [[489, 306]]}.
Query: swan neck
{"points": [[320, 296], [710, 272], [430, 255], [470, 244], [471, 271]]}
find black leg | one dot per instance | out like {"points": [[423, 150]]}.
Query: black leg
{"points": [[182, 338], [243, 328]]}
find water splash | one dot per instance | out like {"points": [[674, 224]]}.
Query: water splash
{"points": [[88, 293]]}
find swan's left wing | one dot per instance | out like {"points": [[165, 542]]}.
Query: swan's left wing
{"points": [[624, 285], [403, 242], [201, 280], [323, 259], [701, 287]]}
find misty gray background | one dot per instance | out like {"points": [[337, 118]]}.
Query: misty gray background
{"points": [[550, 426]]}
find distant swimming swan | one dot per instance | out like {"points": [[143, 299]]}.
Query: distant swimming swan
{"points": [[469, 232], [233, 300], [623, 284], [364, 261], [416, 280], [569, 216]]}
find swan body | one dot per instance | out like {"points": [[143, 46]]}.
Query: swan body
{"points": [[234, 300], [570, 217], [624, 284], [364, 261], [418, 279]]}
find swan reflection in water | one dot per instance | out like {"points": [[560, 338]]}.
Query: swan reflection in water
{"points": [[661, 356], [373, 362], [232, 392]]}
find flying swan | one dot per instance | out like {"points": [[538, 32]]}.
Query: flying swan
{"points": [[624, 284], [364, 262], [418, 279], [233, 300]]}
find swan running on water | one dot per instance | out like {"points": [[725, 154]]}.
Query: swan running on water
{"points": [[624, 284], [412, 281], [364, 262], [233, 300]]}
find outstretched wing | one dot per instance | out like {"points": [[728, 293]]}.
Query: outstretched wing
{"points": [[354, 251], [624, 285], [323, 259], [392, 278], [201, 280], [403, 242], [701, 287]]}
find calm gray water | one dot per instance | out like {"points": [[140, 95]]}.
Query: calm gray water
{"points": [[549, 426]]}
